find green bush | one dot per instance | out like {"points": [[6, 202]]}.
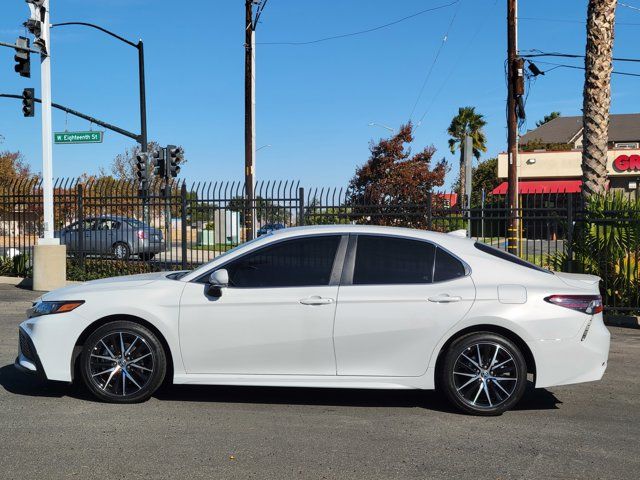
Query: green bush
{"points": [[102, 268], [607, 244]]}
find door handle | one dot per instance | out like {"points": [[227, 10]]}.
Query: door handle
{"points": [[444, 298], [316, 300]]}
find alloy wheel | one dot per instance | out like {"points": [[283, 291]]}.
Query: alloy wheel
{"points": [[485, 375], [121, 363]]}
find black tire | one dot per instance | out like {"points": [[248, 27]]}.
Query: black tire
{"points": [[123, 383], [146, 256], [477, 390], [121, 251]]}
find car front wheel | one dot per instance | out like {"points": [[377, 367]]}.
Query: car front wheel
{"points": [[123, 362], [483, 374]]}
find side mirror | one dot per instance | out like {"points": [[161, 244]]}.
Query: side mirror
{"points": [[217, 281]]}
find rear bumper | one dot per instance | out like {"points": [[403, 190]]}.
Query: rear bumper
{"points": [[148, 247], [563, 362]]}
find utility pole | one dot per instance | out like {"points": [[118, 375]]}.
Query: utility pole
{"points": [[512, 126], [249, 120], [468, 162]]}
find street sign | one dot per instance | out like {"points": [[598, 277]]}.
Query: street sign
{"points": [[78, 137]]}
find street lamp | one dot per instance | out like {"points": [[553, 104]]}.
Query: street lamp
{"points": [[373, 124]]}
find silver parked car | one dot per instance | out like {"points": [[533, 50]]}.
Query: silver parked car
{"points": [[112, 235]]}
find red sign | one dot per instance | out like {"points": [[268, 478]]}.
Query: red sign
{"points": [[627, 163]]}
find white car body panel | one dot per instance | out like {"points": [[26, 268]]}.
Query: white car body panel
{"points": [[257, 331], [388, 337], [389, 330]]}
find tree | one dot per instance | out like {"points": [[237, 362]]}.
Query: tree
{"points": [[467, 122], [597, 95], [123, 166], [547, 118], [393, 181], [13, 168], [484, 177]]}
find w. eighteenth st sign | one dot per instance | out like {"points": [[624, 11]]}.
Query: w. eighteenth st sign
{"points": [[78, 137]]}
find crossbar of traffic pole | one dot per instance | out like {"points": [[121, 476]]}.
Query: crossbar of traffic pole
{"points": [[16, 47], [89, 118]]}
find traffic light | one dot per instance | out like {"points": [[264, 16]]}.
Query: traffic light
{"points": [[23, 58], [28, 102], [34, 24], [160, 163], [175, 158], [141, 168]]}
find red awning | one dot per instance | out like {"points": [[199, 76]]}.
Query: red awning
{"points": [[542, 186]]}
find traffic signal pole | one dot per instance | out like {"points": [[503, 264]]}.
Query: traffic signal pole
{"points": [[47, 131]]}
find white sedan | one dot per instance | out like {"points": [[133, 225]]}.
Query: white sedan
{"points": [[339, 306]]}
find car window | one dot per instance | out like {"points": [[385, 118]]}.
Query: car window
{"points": [[447, 267], [299, 262], [391, 260], [108, 224], [89, 224], [509, 257]]}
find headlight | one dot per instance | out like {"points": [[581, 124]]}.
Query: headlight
{"points": [[47, 308]]}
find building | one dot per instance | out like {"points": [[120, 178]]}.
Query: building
{"points": [[550, 157]]}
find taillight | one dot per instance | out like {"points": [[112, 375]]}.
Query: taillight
{"points": [[589, 304], [141, 234]]}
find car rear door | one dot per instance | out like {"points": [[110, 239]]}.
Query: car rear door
{"points": [[276, 317], [397, 298]]}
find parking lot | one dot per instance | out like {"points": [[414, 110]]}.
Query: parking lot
{"points": [[51, 431]]}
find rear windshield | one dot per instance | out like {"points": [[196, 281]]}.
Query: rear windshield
{"points": [[508, 257], [135, 223]]}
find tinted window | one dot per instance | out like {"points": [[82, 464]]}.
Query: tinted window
{"points": [[291, 263], [508, 257], [447, 267], [389, 260]]}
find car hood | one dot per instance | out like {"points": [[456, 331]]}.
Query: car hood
{"points": [[73, 292]]}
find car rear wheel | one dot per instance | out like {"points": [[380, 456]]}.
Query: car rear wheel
{"points": [[123, 362], [146, 256], [121, 251], [483, 374]]}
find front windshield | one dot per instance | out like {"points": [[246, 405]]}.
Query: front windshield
{"points": [[204, 267]]}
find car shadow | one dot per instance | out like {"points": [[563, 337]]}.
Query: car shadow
{"points": [[19, 383]]}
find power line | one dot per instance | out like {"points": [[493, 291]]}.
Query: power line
{"points": [[564, 20], [453, 69], [435, 60], [361, 32], [562, 65], [570, 55], [629, 6]]}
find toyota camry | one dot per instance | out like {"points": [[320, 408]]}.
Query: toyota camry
{"points": [[339, 306]]}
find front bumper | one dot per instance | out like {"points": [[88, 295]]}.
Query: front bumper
{"points": [[28, 360]]}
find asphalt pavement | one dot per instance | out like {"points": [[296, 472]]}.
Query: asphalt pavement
{"points": [[56, 431]]}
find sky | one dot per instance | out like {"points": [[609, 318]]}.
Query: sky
{"points": [[315, 101]]}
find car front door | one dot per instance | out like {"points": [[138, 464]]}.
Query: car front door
{"points": [[275, 317], [397, 298]]}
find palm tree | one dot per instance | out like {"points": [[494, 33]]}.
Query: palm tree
{"points": [[467, 122], [597, 95]]}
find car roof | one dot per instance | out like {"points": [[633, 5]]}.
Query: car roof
{"points": [[436, 237]]}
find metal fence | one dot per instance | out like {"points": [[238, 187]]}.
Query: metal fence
{"points": [[110, 229]]}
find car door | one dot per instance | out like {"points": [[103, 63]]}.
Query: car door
{"points": [[275, 317], [397, 298]]}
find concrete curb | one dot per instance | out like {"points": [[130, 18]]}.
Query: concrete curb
{"points": [[628, 321], [25, 282]]}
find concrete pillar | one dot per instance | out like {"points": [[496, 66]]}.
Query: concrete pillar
{"points": [[49, 267]]}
